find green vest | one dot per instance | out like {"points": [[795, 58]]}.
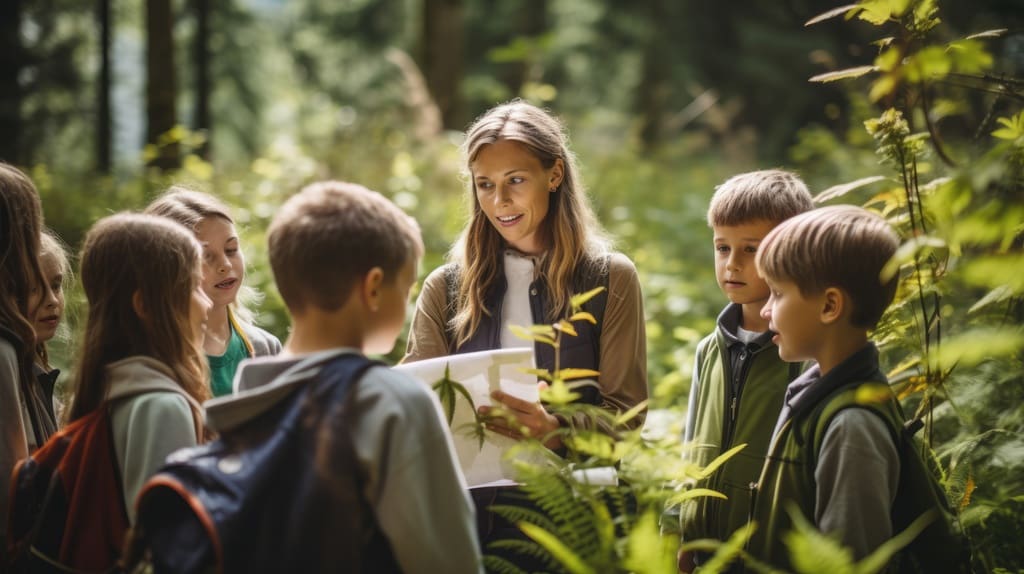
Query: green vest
{"points": [[725, 419], [788, 476]]}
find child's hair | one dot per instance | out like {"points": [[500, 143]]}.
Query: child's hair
{"points": [[189, 208], [570, 228], [770, 195], [841, 246], [21, 220], [51, 244], [329, 235], [126, 256]]}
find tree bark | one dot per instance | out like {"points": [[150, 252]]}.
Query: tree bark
{"points": [[655, 86], [201, 65], [442, 57], [161, 87], [11, 58], [103, 117]]}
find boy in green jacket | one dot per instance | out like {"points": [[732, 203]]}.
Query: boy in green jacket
{"points": [[834, 455], [738, 379]]}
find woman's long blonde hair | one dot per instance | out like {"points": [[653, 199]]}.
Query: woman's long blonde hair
{"points": [[51, 244], [570, 230], [124, 256]]}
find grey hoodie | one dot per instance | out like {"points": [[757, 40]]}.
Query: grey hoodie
{"points": [[151, 417], [413, 482]]}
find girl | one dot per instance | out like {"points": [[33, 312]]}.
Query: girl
{"points": [[53, 261], [230, 335], [141, 351], [25, 420]]}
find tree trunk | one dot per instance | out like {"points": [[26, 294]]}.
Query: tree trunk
{"points": [[531, 24], [11, 58], [653, 92], [442, 59], [103, 127], [201, 65], [161, 87]]}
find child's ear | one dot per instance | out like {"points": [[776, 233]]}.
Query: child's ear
{"points": [[372, 282], [137, 305], [833, 305]]}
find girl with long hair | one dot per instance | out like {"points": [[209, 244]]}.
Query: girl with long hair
{"points": [[25, 419], [141, 352], [231, 336], [49, 314]]}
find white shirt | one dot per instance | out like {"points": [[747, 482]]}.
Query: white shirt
{"points": [[520, 271]]}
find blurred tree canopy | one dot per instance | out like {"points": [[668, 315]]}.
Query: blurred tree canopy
{"points": [[106, 103]]}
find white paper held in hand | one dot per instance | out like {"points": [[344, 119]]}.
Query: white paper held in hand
{"points": [[481, 373]]}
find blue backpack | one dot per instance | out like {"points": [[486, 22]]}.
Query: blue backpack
{"points": [[280, 493]]}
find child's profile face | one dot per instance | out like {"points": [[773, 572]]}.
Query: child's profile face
{"points": [[514, 191], [48, 300], [223, 262], [199, 310], [390, 318], [794, 318], [735, 248]]}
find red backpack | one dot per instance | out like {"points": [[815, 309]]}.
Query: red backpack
{"points": [[67, 509]]}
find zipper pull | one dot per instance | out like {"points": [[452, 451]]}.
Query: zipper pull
{"points": [[732, 409]]}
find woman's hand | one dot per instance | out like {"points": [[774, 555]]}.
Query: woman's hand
{"points": [[519, 419]]}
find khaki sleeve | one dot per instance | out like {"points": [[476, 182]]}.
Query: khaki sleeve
{"points": [[623, 361], [427, 334], [13, 440]]}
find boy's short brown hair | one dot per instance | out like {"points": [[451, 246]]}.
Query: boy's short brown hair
{"points": [[840, 246], [769, 195], [329, 235]]}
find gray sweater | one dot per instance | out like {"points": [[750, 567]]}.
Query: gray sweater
{"points": [[152, 417], [413, 482]]}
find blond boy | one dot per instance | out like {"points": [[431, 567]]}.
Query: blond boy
{"points": [[738, 379], [344, 259], [833, 458]]}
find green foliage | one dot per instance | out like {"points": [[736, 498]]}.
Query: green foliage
{"points": [[954, 331]]}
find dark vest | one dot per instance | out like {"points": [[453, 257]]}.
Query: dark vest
{"points": [[580, 352]]}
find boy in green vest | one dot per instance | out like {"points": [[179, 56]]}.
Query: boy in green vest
{"points": [[738, 379], [834, 456]]}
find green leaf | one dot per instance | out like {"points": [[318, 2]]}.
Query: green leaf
{"points": [[648, 551], [812, 552], [632, 413], [571, 374], [565, 327], [978, 345], [539, 373], [692, 493], [844, 188], [877, 560], [831, 14], [577, 301], [876, 12], [996, 33], [583, 316], [720, 460], [531, 335], [562, 553], [907, 252], [843, 74]]}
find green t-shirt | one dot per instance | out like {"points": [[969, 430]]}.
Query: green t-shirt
{"points": [[222, 368]]}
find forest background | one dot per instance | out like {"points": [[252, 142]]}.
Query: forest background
{"points": [[106, 103]]}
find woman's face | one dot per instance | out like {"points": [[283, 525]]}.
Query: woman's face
{"points": [[514, 191]]}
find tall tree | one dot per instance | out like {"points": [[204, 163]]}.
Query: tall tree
{"points": [[441, 57], [201, 67], [103, 118], [655, 87], [11, 54], [161, 86]]}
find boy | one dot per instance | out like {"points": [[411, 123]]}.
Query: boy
{"points": [[833, 456], [344, 259], [738, 379]]}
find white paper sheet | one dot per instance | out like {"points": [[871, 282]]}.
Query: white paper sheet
{"points": [[480, 373]]}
